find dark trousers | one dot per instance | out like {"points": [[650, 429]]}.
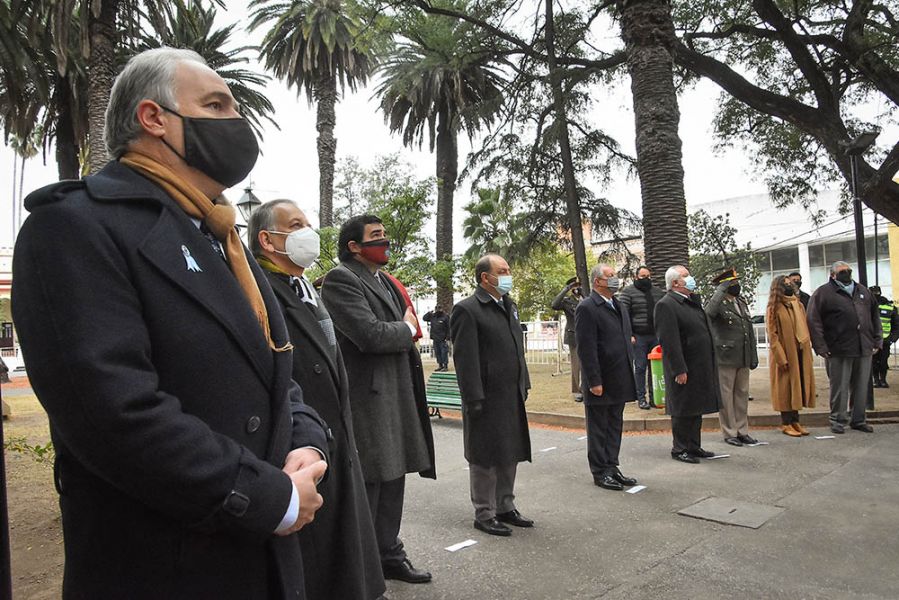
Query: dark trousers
{"points": [[441, 353], [603, 437], [385, 499], [642, 347], [492, 489], [687, 433], [788, 417], [879, 363]]}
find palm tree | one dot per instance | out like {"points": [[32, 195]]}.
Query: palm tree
{"points": [[648, 34], [493, 226], [192, 27], [440, 81], [315, 45]]}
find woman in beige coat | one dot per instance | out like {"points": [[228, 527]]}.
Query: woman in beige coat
{"points": [[789, 356]]}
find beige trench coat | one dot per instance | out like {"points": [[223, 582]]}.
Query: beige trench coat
{"points": [[793, 387]]}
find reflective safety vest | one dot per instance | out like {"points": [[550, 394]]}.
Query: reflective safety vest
{"points": [[886, 317]]}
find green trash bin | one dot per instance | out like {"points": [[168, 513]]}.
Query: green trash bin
{"points": [[658, 377]]}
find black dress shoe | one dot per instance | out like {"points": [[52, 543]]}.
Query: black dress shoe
{"points": [[513, 517], [733, 441], [644, 405], [608, 482], [863, 427], [837, 428], [684, 457], [406, 572], [493, 527], [703, 453], [620, 478], [747, 439]]}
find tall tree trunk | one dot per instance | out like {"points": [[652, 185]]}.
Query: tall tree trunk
{"points": [[15, 200], [572, 203], [20, 203], [648, 34], [66, 148], [326, 99], [101, 74], [447, 154]]}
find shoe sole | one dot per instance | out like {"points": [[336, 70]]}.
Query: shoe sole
{"points": [[499, 533]]}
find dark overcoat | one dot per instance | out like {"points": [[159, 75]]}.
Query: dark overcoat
{"points": [[387, 391], [732, 330], [488, 353], [340, 552], [170, 415], [687, 347], [605, 349]]}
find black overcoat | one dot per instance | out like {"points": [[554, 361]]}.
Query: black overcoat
{"points": [[687, 347], [387, 390], [170, 415], [340, 552], [488, 353], [606, 352]]}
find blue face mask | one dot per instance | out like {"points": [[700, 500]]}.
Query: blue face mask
{"points": [[689, 283], [503, 284]]}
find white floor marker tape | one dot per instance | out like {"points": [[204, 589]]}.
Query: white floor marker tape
{"points": [[636, 489], [718, 456], [583, 437], [824, 437], [548, 449], [461, 545]]}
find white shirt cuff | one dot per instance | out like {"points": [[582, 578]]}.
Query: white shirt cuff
{"points": [[412, 328], [293, 511]]}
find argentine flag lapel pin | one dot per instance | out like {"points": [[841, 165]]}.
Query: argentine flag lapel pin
{"points": [[191, 263]]}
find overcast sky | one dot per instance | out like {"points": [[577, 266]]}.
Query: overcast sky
{"points": [[289, 164]]}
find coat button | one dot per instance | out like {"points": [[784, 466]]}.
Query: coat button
{"points": [[317, 368], [253, 424]]}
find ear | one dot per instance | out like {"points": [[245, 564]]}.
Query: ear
{"points": [[265, 241], [354, 247], [152, 118]]}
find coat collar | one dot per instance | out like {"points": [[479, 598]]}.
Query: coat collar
{"points": [[368, 278]]}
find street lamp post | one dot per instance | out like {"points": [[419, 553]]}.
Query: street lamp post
{"points": [[248, 203], [854, 149]]}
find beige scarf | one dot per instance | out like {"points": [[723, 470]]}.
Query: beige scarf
{"points": [[219, 218], [798, 318]]}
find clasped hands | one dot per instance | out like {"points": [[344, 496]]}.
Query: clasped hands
{"points": [[305, 468]]}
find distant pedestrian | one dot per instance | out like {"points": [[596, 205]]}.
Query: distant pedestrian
{"points": [[439, 327], [735, 351], [567, 301], [688, 358], [790, 360], [488, 351], [603, 330], [640, 299], [844, 323], [796, 279], [889, 322]]}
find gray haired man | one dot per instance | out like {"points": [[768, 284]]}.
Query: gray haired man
{"points": [[844, 322]]}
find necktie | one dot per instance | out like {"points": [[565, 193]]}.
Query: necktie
{"points": [[216, 244]]}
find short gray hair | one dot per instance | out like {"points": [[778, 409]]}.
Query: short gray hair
{"points": [[837, 264], [263, 219], [597, 272], [672, 275], [149, 75]]}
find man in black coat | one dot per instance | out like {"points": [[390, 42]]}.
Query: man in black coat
{"points": [[488, 351], [603, 329], [375, 331], [164, 367], [688, 358], [567, 301], [640, 299], [439, 328], [340, 553], [796, 278]]}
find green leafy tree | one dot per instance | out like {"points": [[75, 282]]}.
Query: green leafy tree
{"points": [[493, 226], [539, 279], [713, 248], [316, 45], [440, 81]]}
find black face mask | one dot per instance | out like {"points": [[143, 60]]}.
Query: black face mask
{"points": [[224, 149], [844, 276], [797, 284], [643, 284], [734, 290], [788, 290]]}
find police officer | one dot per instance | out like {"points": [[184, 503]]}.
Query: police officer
{"points": [[889, 320]]}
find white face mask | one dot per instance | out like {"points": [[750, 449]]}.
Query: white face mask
{"points": [[302, 246]]}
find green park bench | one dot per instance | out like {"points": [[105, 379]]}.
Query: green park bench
{"points": [[442, 390]]}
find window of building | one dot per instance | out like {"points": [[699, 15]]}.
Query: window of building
{"points": [[785, 260], [844, 251], [816, 256]]}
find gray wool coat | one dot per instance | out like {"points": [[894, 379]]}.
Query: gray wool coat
{"points": [[390, 413], [687, 347], [488, 352]]}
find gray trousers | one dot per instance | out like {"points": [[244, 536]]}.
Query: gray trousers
{"points": [[734, 384], [849, 377], [492, 489]]}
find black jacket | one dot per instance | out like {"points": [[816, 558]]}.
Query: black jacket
{"points": [[439, 325], [170, 415], [640, 305], [605, 349], [842, 325], [488, 351], [687, 347], [804, 298], [340, 553]]}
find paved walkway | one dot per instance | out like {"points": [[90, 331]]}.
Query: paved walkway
{"points": [[835, 539]]}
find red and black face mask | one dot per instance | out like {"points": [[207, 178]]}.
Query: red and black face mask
{"points": [[377, 251]]}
